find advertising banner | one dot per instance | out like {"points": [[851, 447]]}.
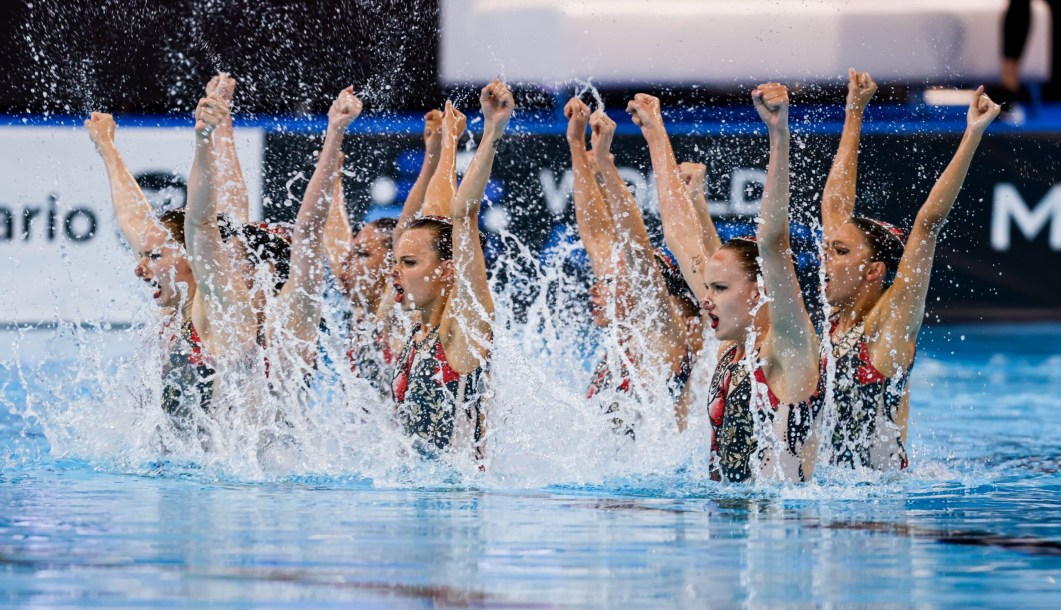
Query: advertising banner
{"points": [[62, 257], [999, 256]]}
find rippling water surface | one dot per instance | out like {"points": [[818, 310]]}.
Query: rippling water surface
{"points": [[975, 522]]}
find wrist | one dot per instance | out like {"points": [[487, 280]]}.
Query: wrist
{"points": [[494, 128], [779, 130], [652, 132]]}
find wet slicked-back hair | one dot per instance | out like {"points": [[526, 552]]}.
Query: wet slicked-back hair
{"points": [[442, 234], [747, 252], [263, 244], [676, 286], [885, 244], [385, 226], [173, 222]]}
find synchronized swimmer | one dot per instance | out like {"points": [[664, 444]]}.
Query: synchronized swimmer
{"points": [[422, 313]]}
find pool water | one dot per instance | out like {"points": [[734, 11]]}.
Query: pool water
{"points": [[975, 522]]}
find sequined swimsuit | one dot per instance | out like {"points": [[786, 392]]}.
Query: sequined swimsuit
{"points": [[428, 393], [187, 381], [733, 440], [603, 380], [371, 358], [866, 432]]}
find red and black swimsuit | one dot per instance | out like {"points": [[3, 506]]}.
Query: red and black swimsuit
{"points": [[603, 379], [428, 393], [866, 432], [733, 439], [187, 380], [371, 358]]}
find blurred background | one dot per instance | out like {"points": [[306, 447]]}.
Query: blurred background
{"points": [[147, 63]]}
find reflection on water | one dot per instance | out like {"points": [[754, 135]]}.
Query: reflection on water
{"points": [[104, 538]]}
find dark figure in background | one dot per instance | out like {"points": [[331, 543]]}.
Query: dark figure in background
{"points": [[1015, 27]]}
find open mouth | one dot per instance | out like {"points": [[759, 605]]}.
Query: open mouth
{"points": [[714, 320], [399, 294], [158, 289]]}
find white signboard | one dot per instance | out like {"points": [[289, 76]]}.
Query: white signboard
{"points": [[62, 257]]}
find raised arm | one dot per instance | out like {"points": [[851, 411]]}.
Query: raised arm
{"points": [[676, 210], [902, 308], [432, 152], [596, 228], [838, 197], [466, 327], [338, 235], [694, 176], [666, 326], [442, 187], [791, 345], [300, 299], [224, 316], [232, 201], [131, 207]]}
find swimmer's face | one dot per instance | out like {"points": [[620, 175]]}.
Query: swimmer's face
{"points": [[731, 296], [421, 279], [848, 268], [370, 258], [164, 267]]}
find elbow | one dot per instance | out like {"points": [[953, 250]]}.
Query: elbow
{"points": [[929, 223]]}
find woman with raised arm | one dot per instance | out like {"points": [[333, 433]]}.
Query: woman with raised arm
{"points": [[235, 316], [767, 374], [640, 285], [163, 264], [362, 263], [877, 285], [441, 273]]}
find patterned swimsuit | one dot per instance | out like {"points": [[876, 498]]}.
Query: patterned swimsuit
{"points": [[866, 433], [187, 381], [428, 393], [733, 439], [603, 379], [371, 358]]}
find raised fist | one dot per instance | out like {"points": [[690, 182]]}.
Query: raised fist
{"points": [[577, 113], [100, 126], [210, 113], [981, 111], [222, 86], [497, 104], [644, 111], [602, 131], [433, 133], [693, 175], [453, 121], [344, 110], [771, 101], [860, 89]]}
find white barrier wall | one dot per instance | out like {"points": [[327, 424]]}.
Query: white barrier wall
{"points": [[62, 257], [730, 42]]}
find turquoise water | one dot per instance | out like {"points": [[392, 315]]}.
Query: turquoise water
{"points": [[975, 522]]}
